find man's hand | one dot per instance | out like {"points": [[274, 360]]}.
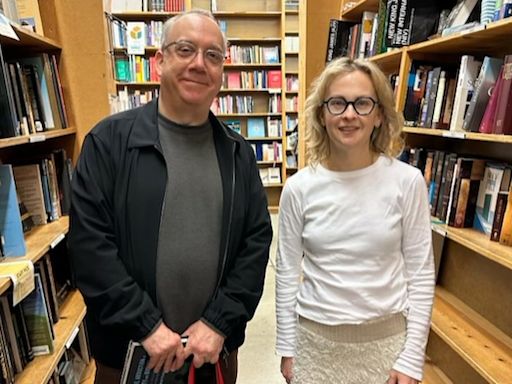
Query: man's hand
{"points": [[396, 377], [204, 343], [287, 368], [164, 349]]}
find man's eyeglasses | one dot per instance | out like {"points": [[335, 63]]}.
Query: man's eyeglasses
{"points": [[363, 106], [188, 51]]}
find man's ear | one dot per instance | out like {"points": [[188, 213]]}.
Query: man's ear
{"points": [[159, 58]]}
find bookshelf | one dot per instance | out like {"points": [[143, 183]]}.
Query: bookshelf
{"points": [[67, 36], [471, 332], [246, 23]]}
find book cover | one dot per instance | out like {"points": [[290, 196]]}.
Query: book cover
{"points": [[38, 320], [338, 39], [468, 72], [274, 79], [11, 230], [487, 195], [503, 119], [501, 204], [234, 125], [506, 226], [255, 127], [487, 123], [9, 122], [30, 191], [485, 81]]}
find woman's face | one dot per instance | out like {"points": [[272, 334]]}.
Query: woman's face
{"points": [[350, 131]]}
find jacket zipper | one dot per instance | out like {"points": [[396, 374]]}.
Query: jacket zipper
{"points": [[225, 255]]}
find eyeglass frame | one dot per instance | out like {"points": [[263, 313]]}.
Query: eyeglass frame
{"points": [[353, 103], [204, 51]]}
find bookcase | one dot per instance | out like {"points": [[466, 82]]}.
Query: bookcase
{"points": [[260, 93], [80, 90], [471, 331]]}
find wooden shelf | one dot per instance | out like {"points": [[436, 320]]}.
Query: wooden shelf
{"points": [[478, 242], [37, 137], [251, 65], [135, 15], [356, 11], [138, 84], [484, 347], [267, 90], [488, 40], [255, 114], [264, 138], [433, 375], [42, 367], [251, 39], [279, 185], [269, 162], [273, 209], [29, 40], [248, 14], [507, 139], [38, 242], [390, 61]]}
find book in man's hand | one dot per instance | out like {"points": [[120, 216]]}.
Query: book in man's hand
{"points": [[135, 370]]}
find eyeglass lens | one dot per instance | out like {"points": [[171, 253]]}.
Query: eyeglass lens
{"points": [[188, 51]]}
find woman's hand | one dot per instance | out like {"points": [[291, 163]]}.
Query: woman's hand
{"points": [[396, 377], [287, 368]]}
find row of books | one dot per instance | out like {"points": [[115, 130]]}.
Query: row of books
{"points": [[25, 13], [253, 54], [291, 44], [291, 5], [31, 96], [120, 6], [42, 187], [475, 97], [128, 99], [121, 32], [134, 68], [268, 151], [399, 23], [257, 127], [252, 79], [229, 104], [467, 192], [292, 83], [292, 103], [27, 327]]}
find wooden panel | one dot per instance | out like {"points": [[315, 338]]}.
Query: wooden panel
{"points": [[42, 367], [291, 23], [388, 62], [78, 26], [273, 195], [482, 284], [42, 136], [477, 345], [249, 5], [291, 64], [433, 375], [355, 11], [252, 28], [451, 364]]}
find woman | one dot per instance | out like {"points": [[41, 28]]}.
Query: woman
{"points": [[355, 272]]}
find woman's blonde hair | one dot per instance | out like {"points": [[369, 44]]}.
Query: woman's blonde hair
{"points": [[385, 139]]}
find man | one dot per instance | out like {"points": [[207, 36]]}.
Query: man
{"points": [[169, 227]]}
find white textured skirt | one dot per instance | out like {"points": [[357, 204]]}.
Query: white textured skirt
{"points": [[348, 354]]}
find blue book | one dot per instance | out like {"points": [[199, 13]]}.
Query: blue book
{"points": [[11, 230], [255, 127]]}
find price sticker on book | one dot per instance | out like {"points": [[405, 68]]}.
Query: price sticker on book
{"points": [[57, 241], [454, 134], [21, 274], [36, 138]]}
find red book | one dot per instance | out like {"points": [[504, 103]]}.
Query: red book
{"points": [[487, 123], [274, 79], [504, 104], [233, 80]]}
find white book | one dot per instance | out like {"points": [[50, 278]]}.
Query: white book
{"points": [[468, 72], [366, 34]]}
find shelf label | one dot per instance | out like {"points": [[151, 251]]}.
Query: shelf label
{"points": [[57, 241], [72, 337], [439, 230], [454, 134], [36, 138], [21, 274]]}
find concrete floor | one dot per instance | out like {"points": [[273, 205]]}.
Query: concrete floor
{"points": [[257, 360]]}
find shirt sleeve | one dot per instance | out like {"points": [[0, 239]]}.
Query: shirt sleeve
{"points": [[419, 273], [288, 269]]}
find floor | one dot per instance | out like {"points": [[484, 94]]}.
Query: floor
{"points": [[258, 362]]}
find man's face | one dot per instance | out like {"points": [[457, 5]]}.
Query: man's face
{"points": [[190, 71]]}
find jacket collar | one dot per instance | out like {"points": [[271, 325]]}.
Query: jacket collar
{"points": [[145, 127]]}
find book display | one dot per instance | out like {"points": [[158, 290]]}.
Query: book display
{"points": [[47, 106], [446, 76], [260, 90]]}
